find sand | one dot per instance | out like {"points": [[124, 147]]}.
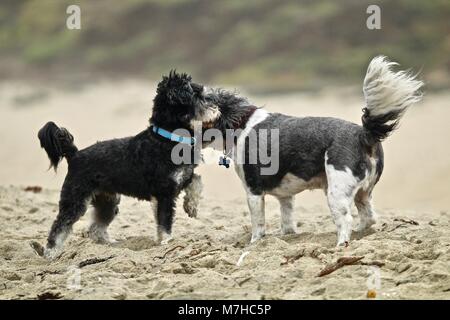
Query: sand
{"points": [[410, 244]]}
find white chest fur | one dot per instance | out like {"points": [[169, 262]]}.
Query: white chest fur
{"points": [[179, 176], [238, 153]]}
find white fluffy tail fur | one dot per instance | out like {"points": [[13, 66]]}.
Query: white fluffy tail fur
{"points": [[388, 95]]}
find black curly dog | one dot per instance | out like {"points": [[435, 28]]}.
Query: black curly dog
{"points": [[138, 166]]}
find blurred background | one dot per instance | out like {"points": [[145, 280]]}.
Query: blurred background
{"points": [[301, 57], [265, 45]]}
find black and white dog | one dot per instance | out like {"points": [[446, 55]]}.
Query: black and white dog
{"points": [[138, 166], [342, 158]]}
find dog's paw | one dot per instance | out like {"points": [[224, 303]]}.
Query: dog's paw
{"points": [[255, 239], [167, 240], [285, 230], [52, 253], [343, 244], [258, 235], [365, 224], [163, 237], [98, 234], [190, 209]]}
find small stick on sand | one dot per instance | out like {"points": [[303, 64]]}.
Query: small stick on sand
{"points": [[372, 263], [341, 262], [88, 262], [410, 221], [240, 283], [403, 224], [290, 259], [168, 251], [201, 255]]}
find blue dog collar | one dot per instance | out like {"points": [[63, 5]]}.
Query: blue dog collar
{"points": [[174, 137]]}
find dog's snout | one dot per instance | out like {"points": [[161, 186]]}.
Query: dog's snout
{"points": [[198, 89]]}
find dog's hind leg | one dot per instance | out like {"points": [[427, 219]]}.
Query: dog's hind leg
{"points": [[287, 221], [256, 204], [72, 205], [339, 203], [193, 196], [367, 214], [105, 208], [342, 186], [164, 210]]}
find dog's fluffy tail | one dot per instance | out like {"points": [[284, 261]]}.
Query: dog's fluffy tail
{"points": [[57, 142], [388, 95]]}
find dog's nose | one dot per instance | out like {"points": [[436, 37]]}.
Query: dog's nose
{"points": [[198, 89]]}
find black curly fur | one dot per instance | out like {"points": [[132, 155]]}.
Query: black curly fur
{"points": [[138, 166], [178, 91], [235, 110], [57, 142], [379, 127]]}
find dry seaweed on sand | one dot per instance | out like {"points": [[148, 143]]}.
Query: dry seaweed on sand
{"points": [[168, 251], [90, 261], [34, 189], [409, 221], [341, 262], [347, 261], [48, 295]]}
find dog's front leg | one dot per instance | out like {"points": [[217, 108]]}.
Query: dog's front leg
{"points": [[164, 209], [256, 206], [193, 195]]}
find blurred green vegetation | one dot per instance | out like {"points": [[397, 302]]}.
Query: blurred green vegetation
{"points": [[261, 44]]}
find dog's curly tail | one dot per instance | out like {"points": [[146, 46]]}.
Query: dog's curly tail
{"points": [[57, 142], [388, 95]]}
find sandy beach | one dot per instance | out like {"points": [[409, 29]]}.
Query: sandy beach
{"points": [[405, 256]]}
